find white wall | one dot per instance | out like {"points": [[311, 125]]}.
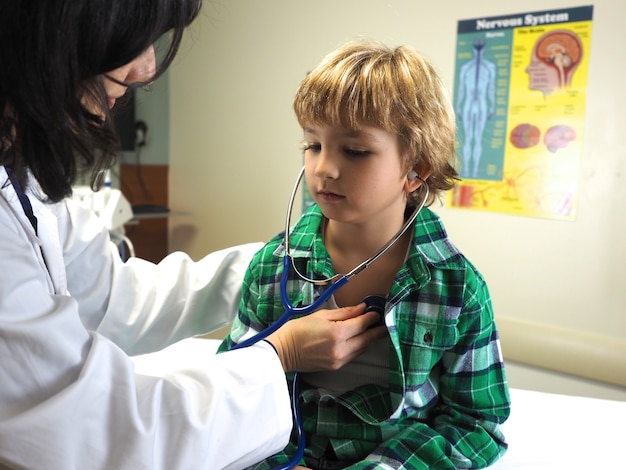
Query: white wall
{"points": [[234, 146]]}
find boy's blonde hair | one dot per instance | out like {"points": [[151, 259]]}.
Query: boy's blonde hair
{"points": [[368, 83]]}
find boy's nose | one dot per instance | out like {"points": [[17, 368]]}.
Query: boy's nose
{"points": [[326, 166]]}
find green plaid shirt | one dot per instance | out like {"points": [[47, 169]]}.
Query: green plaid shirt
{"points": [[447, 391]]}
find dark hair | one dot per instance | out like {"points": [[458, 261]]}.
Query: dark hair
{"points": [[53, 56]]}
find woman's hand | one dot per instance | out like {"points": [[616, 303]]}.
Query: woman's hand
{"points": [[326, 339]]}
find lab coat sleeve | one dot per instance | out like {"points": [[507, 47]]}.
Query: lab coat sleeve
{"points": [[70, 398], [248, 406], [189, 410], [142, 306], [173, 300]]}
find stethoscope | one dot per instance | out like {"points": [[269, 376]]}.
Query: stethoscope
{"points": [[333, 283]]}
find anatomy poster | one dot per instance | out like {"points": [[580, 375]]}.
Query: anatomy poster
{"points": [[519, 94]]}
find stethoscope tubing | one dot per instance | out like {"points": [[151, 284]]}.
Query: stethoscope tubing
{"points": [[290, 309], [365, 264], [333, 283]]}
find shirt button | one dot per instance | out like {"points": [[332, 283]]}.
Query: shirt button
{"points": [[428, 337]]}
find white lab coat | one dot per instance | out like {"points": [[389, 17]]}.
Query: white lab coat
{"points": [[70, 397]]}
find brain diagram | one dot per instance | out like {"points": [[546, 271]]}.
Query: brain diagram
{"points": [[560, 51], [557, 137], [560, 48], [524, 136]]}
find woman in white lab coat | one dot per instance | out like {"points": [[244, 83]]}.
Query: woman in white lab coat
{"points": [[72, 313]]}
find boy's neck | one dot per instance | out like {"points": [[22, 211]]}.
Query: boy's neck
{"points": [[359, 240], [347, 249]]}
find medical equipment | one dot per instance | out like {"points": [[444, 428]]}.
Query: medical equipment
{"points": [[376, 303], [111, 207], [109, 204], [333, 283]]}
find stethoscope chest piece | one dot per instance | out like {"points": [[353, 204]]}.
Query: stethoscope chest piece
{"points": [[376, 303]]}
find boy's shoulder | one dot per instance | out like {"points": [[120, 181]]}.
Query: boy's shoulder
{"points": [[432, 246], [432, 242]]}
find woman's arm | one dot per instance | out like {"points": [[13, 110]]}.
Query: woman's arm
{"points": [[71, 398], [142, 306]]}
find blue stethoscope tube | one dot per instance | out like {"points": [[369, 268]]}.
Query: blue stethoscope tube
{"points": [[290, 309], [333, 284]]}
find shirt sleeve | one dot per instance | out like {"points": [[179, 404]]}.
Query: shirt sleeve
{"points": [[475, 398]]}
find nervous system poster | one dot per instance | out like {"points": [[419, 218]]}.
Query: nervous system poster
{"points": [[519, 96]]}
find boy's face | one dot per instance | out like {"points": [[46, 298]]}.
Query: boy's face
{"points": [[356, 176]]}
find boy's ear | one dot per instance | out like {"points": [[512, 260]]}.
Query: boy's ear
{"points": [[412, 181]]}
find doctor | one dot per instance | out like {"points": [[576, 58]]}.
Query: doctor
{"points": [[72, 313]]}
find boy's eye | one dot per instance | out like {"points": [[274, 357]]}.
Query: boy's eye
{"points": [[356, 153], [348, 151], [313, 147]]}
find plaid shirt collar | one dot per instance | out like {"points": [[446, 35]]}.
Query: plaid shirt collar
{"points": [[431, 245]]}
